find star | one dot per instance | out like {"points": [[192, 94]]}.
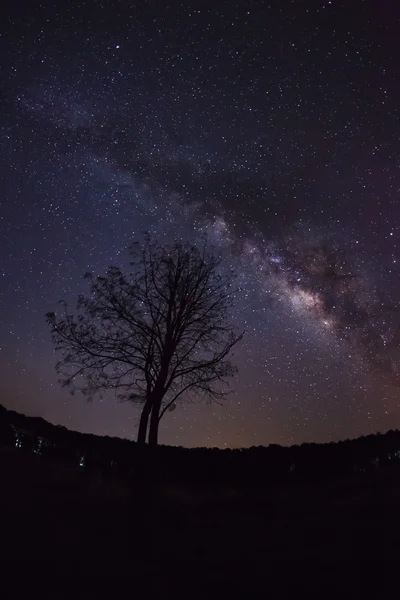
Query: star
{"points": [[258, 127]]}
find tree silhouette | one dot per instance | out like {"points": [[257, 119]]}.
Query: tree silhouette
{"points": [[159, 334]]}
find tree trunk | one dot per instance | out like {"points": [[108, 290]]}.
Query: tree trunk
{"points": [[144, 419], [154, 421]]}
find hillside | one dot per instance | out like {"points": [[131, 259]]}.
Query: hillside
{"points": [[256, 466], [68, 526], [286, 522]]}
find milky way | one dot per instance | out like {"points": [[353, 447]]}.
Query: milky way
{"points": [[272, 128]]}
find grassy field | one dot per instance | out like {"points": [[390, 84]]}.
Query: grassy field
{"points": [[100, 538]]}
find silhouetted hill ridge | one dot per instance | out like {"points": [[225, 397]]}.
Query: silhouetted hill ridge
{"points": [[42, 427], [257, 465]]}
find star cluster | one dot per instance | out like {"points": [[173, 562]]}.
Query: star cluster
{"points": [[271, 127]]}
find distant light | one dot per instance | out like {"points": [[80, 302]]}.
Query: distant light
{"points": [[117, 46]]}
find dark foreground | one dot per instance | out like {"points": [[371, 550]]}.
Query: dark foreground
{"points": [[67, 533]]}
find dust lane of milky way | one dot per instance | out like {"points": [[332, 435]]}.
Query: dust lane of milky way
{"points": [[273, 128]]}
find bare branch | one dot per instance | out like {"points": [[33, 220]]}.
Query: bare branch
{"points": [[158, 334]]}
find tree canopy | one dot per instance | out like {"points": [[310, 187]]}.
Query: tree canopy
{"points": [[158, 335]]}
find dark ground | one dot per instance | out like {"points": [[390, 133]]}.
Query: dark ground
{"points": [[67, 533]]}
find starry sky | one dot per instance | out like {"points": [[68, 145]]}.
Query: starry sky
{"points": [[272, 127]]}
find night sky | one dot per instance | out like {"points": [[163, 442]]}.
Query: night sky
{"points": [[271, 126]]}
